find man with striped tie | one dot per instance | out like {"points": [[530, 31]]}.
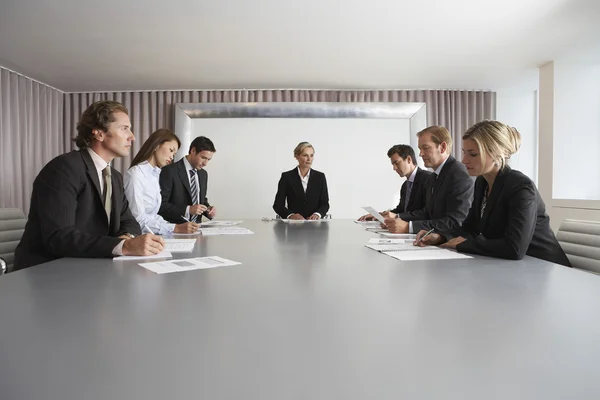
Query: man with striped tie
{"points": [[183, 185]]}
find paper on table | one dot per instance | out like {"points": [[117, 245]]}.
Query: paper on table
{"points": [[180, 245], [296, 221], [162, 254], [415, 255], [399, 235], [368, 223], [234, 230], [389, 241], [374, 213], [188, 264], [399, 247], [376, 230], [221, 223]]}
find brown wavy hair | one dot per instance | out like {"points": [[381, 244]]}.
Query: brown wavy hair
{"points": [[97, 116]]}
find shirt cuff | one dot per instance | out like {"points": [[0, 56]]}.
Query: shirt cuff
{"points": [[410, 228], [288, 217], [320, 216], [187, 212], [118, 250]]}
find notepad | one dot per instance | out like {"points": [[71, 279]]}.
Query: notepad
{"points": [[398, 235], [188, 264], [417, 255], [162, 254], [221, 223], [180, 245], [399, 247], [389, 241]]}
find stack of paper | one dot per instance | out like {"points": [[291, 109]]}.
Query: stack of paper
{"points": [[228, 230], [399, 235], [221, 223], [389, 241], [188, 264], [301, 221], [398, 247], [180, 245], [163, 254], [433, 254]]}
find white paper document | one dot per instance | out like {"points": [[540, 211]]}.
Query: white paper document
{"points": [[377, 230], [180, 245], [301, 221], [368, 223], [374, 213], [389, 241], [221, 223], [163, 254], [399, 235], [188, 264], [416, 255], [226, 230], [399, 247]]}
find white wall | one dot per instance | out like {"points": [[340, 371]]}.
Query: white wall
{"points": [[576, 130], [253, 152], [517, 106]]}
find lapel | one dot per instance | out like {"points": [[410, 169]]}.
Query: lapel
{"points": [[437, 183], [91, 172], [183, 175], [312, 181], [297, 183], [494, 195], [414, 189]]}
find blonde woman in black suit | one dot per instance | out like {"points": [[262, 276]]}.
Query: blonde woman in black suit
{"points": [[303, 188], [507, 218]]}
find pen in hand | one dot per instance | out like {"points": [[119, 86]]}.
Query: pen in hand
{"points": [[148, 229], [425, 235]]}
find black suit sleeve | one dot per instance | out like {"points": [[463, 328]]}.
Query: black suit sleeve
{"points": [[55, 190], [458, 201], [521, 222], [279, 203], [399, 208], [323, 199], [128, 224], [169, 211]]}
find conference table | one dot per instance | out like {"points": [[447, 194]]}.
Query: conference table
{"points": [[311, 313]]}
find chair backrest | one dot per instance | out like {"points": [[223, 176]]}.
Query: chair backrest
{"points": [[581, 242], [12, 226]]}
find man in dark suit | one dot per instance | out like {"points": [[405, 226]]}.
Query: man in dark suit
{"points": [[414, 189], [303, 189], [78, 206], [183, 185], [451, 190]]}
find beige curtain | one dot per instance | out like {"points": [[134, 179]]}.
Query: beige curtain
{"points": [[454, 109], [31, 134]]}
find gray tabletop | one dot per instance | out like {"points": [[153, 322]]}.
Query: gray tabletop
{"points": [[310, 314]]}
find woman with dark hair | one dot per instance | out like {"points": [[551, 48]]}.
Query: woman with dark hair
{"points": [[142, 186]]}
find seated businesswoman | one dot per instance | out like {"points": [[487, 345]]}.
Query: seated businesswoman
{"points": [[507, 218], [142, 187], [304, 188]]}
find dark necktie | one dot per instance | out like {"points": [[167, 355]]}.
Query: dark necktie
{"points": [[193, 186], [409, 186], [107, 191]]}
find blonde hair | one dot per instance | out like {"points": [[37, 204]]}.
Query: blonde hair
{"points": [[439, 134], [495, 139], [300, 148]]}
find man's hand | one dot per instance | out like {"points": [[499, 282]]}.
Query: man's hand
{"points": [[212, 211], [452, 243], [143, 245], [314, 216], [367, 217], [396, 225], [188, 227], [433, 239], [388, 214], [296, 216], [197, 209]]}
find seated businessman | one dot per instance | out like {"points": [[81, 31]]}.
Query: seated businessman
{"points": [[414, 189], [78, 205], [183, 185], [450, 192]]}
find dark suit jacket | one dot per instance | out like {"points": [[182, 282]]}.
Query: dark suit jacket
{"points": [[417, 194], [514, 222], [176, 192], [315, 200], [67, 217], [447, 201]]}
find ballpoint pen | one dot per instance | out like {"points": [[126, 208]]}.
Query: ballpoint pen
{"points": [[148, 229]]}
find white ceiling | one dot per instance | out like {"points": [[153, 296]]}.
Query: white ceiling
{"points": [[195, 44]]}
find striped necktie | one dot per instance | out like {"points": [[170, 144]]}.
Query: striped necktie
{"points": [[194, 186]]}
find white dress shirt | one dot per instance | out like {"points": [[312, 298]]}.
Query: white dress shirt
{"points": [[100, 164], [142, 189]]}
